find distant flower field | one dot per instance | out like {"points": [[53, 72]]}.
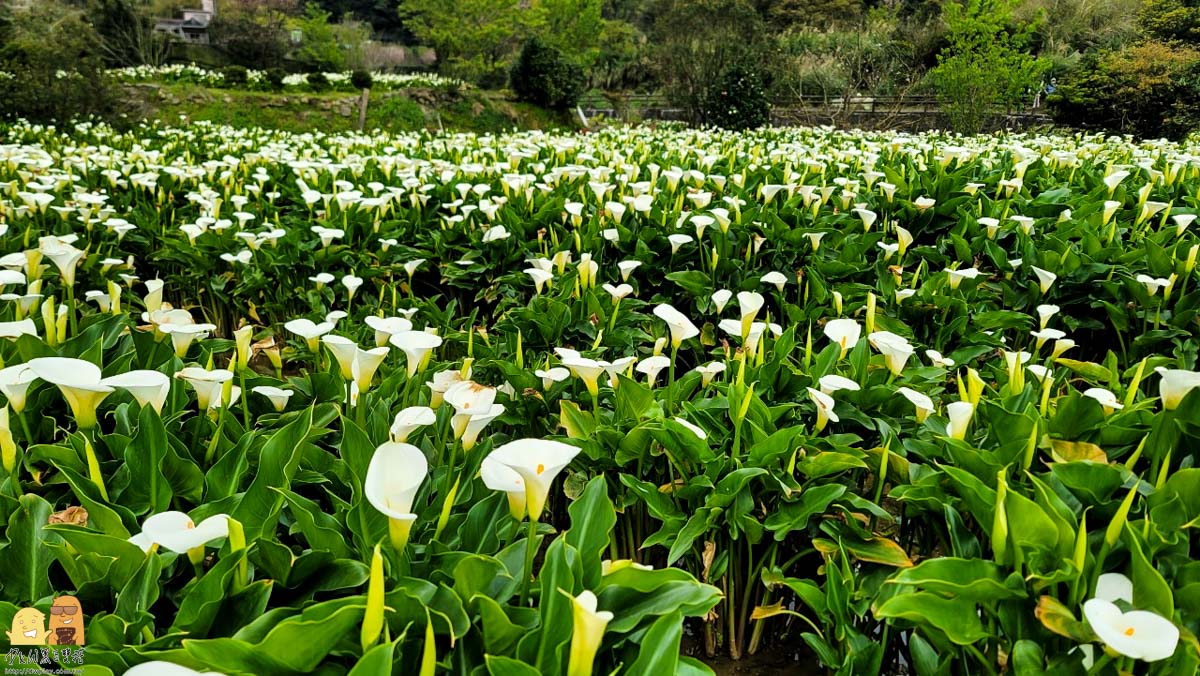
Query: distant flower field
{"points": [[608, 403], [257, 79]]}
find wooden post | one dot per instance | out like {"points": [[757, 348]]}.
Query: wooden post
{"points": [[362, 108]]}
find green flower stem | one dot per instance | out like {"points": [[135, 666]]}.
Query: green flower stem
{"points": [[530, 551], [244, 397]]}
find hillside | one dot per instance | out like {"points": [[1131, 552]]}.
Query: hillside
{"points": [[403, 110]]}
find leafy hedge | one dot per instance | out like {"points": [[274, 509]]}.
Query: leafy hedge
{"points": [[543, 76], [1150, 90]]}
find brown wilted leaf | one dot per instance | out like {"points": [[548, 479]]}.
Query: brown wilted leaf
{"points": [[710, 553], [76, 516]]}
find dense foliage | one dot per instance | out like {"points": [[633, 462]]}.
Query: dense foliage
{"points": [[1151, 89], [519, 404], [543, 76], [739, 101]]}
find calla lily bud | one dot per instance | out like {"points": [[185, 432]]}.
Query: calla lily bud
{"points": [[975, 387], [8, 447], [372, 626], [870, 319], [242, 338], [1190, 263], [48, 321]]}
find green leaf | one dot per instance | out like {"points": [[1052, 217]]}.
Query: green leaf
{"points": [[592, 520], [25, 560], [379, 661], [320, 529], [794, 516], [507, 666], [148, 490], [972, 579], [277, 465], [202, 600], [957, 619], [295, 645], [1150, 590], [659, 653]]}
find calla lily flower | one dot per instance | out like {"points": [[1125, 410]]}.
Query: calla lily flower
{"points": [[960, 413], [825, 404], [588, 627], [1175, 385], [309, 331], [409, 420], [14, 384], [681, 327], [922, 403], [709, 371], [366, 363], [652, 366], [957, 276], [416, 346], [277, 396], [720, 298], [442, 382], [537, 461], [207, 384], [551, 376], [1107, 399], [394, 476], [844, 332], [14, 330], [177, 532], [1046, 278], [749, 302], [80, 383], [149, 388], [386, 327], [500, 477], [468, 399], [1045, 313], [1139, 634], [776, 278], [895, 350], [476, 423], [64, 256], [694, 429], [183, 335], [833, 383], [626, 268]]}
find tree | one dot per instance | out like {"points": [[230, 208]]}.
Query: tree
{"points": [[1170, 20], [473, 39], [253, 33], [319, 48], [127, 36], [696, 41], [52, 56], [985, 66], [543, 76], [574, 28], [740, 102]]}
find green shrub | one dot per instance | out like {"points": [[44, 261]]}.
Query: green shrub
{"points": [[543, 76], [739, 101], [274, 79], [318, 82], [360, 79], [235, 76], [1150, 90], [51, 68]]}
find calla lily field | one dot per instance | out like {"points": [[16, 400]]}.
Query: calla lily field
{"points": [[626, 402]]}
